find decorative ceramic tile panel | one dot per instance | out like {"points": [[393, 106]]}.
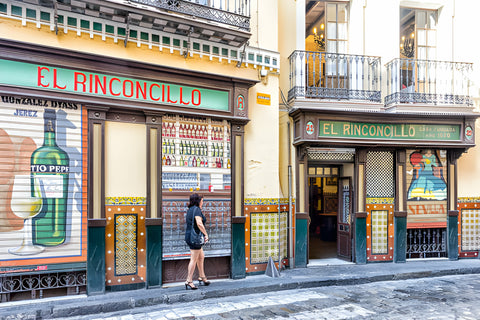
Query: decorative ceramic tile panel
{"points": [[470, 230], [265, 236], [379, 231], [125, 244], [125, 240]]}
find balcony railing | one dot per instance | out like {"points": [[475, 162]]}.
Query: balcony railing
{"points": [[428, 82], [231, 12], [324, 75]]}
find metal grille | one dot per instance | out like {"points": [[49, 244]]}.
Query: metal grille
{"points": [[379, 174], [426, 243], [331, 156], [218, 214], [38, 283], [237, 15]]}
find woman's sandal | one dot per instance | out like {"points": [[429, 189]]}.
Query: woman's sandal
{"points": [[202, 281], [190, 286]]}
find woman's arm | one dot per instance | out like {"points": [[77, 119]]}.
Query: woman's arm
{"points": [[200, 226]]}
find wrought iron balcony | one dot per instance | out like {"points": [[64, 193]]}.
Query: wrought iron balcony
{"points": [[411, 81], [225, 22], [231, 12], [322, 75]]}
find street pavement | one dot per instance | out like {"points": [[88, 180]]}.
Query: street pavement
{"points": [[319, 277], [452, 297]]}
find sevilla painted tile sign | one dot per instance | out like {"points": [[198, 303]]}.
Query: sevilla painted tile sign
{"points": [[50, 78]]}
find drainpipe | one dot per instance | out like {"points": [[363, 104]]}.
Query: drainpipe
{"points": [[291, 219]]}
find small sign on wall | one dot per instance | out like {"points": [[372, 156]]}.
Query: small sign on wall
{"points": [[263, 98]]}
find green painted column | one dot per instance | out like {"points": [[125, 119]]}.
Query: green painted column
{"points": [[400, 237], [452, 234], [301, 240], [238, 248], [361, 238], [96, 257], [154, 252]]}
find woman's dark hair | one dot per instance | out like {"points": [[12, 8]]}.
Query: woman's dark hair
{"points": [[195, 200]]}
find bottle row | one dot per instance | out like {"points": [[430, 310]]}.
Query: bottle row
{"points": [[197, 148], [194, 131], [195, 161]]}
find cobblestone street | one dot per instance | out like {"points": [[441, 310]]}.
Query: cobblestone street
{"points": [[449, 297]]}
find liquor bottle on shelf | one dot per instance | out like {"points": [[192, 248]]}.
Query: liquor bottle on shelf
{"points": [[49, 180], [163, 146], [229, 165]]}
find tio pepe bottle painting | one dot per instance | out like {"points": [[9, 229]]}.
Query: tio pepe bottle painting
{"points": [[49, 181]]}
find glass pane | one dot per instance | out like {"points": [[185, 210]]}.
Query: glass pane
{"points": [[331, 12], [335, 171], [421, 37], [332, 46], [342, 31], [331, 30], [342, 47], [319, 171], [432, 20], [327, 171], [421, 19], [421, 53], [311, 171], [342, 13], [431, 53], [431, 38]]}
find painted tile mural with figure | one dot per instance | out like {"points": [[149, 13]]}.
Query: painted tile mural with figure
{"points": [[42, 220], [427, 188]]}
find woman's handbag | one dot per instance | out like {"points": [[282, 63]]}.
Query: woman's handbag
{"points": [[197, 239]]}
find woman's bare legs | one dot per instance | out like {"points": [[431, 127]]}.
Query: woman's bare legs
{"points": [[194, 256], [200, 260]]}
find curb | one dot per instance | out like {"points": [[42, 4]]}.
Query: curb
{"points": [[118, 302]]}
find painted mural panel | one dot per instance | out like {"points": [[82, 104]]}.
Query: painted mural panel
{"points": [[426, 188], [41, 167]]}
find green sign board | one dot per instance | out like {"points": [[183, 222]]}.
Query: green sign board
{"points": [[400, 131], [21, 74]]}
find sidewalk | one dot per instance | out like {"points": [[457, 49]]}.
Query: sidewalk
{"points": [[312, 276]]}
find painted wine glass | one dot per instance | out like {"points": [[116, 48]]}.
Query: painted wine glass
{"points": [[25, 206]]}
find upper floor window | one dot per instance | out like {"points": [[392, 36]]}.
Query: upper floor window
{"points": [[418, 34], [326, 26]]}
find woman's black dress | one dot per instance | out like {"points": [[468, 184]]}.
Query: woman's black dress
{"points": [[193, 212]]}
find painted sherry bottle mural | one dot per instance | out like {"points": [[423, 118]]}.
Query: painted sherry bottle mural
{"points": [[50, 170], [42, 184]]}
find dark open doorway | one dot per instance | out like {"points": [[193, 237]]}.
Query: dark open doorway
{"points": [[323, 208], [329, 212]]}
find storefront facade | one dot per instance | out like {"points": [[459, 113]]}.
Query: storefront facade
{"points": [[379, 186], [109, 152]]}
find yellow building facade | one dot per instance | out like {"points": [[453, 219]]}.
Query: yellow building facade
{"points": [[112, 115]]}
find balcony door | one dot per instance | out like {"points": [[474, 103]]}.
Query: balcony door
{"points": [[418, 41]]}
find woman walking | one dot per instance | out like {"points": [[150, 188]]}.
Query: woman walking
{"points": [[195, 220]]}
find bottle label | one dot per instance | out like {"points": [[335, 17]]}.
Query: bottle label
{"points": [[52, 185], [47, 168]]}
